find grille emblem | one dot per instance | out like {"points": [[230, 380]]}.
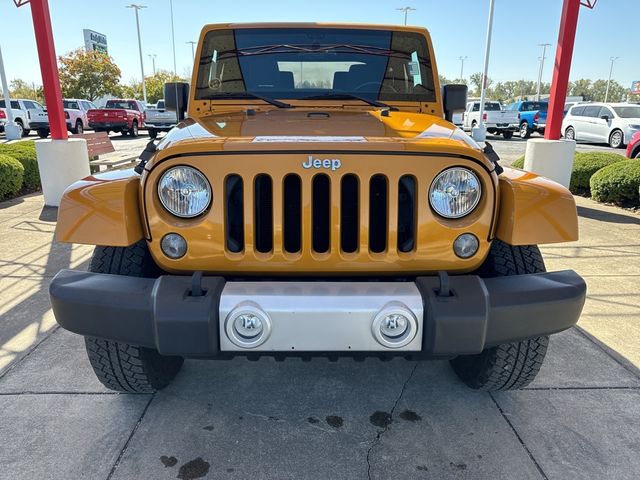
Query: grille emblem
{"points": [[327, 163]]}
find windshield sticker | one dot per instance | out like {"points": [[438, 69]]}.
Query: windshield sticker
{"points": [[287, 139]]}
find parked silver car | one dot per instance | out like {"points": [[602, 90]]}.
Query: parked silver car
{"points": [[612, 123]]}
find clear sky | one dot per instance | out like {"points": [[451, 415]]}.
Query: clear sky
{"points": [[458, 28]]}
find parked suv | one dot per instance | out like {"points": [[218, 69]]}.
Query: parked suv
{"points": [[612, 123], [532, 117], [633, 147], [26, 114], [317, 201]]}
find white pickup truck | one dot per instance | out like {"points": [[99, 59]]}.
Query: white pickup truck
{"points": [[26, 114], [497, 120], [158, 119], [75, 114]]}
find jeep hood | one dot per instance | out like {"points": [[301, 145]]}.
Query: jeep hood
{"points": [[361, 129]]}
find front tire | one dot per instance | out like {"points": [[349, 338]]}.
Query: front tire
{"points": [[153, 133], [514, 365], [120, 366], [616, 139]]}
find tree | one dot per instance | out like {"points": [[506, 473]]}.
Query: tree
{"points": [[154, 84], [88, 74], [617, 92], [476, 81], [581, 88], [18, 88]]}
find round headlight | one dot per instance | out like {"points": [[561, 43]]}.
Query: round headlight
{"points": [[184, 192], [455, 192]]}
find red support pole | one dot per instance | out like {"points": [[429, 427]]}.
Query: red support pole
{"points": [[49, 68], [562, 68]]}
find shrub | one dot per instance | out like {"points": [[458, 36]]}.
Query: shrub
{"points": [[11, 174], [25, 153], [617, 183], [518, 163], [585, 164]]}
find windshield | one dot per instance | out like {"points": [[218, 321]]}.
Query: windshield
{"points": [[628, 112], [70, 105], [296, 63]]}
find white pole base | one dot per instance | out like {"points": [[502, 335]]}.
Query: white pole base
{"points": [[479, 133], [11, 131], [61, 162], [552, 159]]}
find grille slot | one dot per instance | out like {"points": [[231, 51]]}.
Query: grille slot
{"points": [[234, 213], [406, 213], [292, 214], [378, 214], [321, 213], [263, 208], [349, 225]]}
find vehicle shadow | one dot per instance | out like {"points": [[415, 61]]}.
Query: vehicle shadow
{"points": [[607, 216]]}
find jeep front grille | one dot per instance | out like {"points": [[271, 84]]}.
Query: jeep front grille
{"points": [[335, 217]]}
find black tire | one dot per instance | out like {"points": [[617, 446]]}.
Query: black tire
{"points": [[525, 131], [616, 139], [514, 365], [120, 366], [20, 127], [79, 128], [507, 134], [43, 132], [153, 133], [570, 133], [133, 131], [637, 155]]}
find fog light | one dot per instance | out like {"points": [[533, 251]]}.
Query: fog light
{"points": [[173, 245], [466, 245], [248, 325], [395, 325]]}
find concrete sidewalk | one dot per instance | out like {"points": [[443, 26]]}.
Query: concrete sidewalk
{"points": [[321, 420]]}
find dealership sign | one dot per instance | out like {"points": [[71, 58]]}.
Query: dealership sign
{"points": [[635, 87], [94, 41]]}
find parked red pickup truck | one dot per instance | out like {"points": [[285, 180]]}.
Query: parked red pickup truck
{"points": [[124, 116]]}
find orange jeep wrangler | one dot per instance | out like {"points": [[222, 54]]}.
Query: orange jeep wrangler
{"points": [[317, 201]]}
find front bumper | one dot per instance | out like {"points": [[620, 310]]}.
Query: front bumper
{"points": [[321, 317]]}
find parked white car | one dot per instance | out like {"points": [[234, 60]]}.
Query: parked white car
{"points": [[25, 113], [612, 123], [497, 120], [75, 113]]}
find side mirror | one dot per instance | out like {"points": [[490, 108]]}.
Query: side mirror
{"points": [[176, 98], [605, 117], [454, 100]]}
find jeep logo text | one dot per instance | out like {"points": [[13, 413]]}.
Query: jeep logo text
{"points": [[332, 163]]}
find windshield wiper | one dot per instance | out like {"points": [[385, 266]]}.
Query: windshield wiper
{"points": [[232, 95], [349, 96]]}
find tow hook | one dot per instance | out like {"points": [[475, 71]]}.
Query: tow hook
{"points": [[445, 285], [196, 285], [144, 157], [493, 157]]}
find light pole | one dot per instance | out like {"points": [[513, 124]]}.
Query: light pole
{"points": [[193, 52], [406, 11], [544, 51], [606, 95], [480, 132], [144, 86], [11, 129], [462, 59], [153, 56]]}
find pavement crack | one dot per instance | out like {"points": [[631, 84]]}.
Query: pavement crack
{"points": [[515, 432], [126, 444], [380, 433]]}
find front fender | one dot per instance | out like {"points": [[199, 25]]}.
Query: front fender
{"points": [[535, 210], [101, 210]]}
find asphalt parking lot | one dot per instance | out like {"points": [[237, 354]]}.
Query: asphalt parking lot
{"points": [[342, 420]]}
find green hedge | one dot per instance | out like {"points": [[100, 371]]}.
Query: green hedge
{"points": [[618, 183], [585, 164], [25, 153], [11, 175], [518, 163]]}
